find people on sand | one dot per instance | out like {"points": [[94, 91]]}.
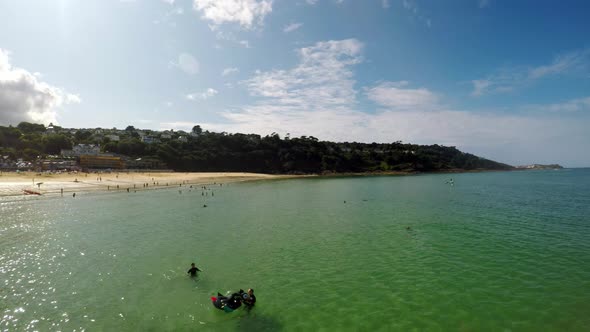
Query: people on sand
{"points": [[193, 270]]}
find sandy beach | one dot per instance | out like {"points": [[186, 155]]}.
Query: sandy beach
{"points": [[15, 184]]}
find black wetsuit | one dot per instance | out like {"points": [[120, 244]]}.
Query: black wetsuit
{"points": [[250, 301], [193, 271]]}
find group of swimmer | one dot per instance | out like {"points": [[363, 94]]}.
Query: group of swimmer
{"points": [[231, 302]]}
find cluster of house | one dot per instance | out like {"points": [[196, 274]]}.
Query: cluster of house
{"points": [[151, 138], [88, 156], [114, 135], [8, 164]]}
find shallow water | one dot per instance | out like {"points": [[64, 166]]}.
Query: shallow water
{"points": [[496, 251]]}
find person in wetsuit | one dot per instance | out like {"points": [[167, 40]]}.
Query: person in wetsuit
{"points": [[193, 270], [250, 299]]}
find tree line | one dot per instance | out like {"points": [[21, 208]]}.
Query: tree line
{"points": [[209, 151]]}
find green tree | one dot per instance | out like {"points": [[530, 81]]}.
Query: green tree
{"points": [[197, 130], [54, 143], [27, 128], [82, 136]]}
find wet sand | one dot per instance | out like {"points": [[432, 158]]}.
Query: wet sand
{"points": [[14, 184]]}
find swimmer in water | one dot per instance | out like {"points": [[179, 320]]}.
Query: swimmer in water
{"points": [[193, 270]]}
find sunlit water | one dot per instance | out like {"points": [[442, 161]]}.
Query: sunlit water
{"points": [[503, 251]]}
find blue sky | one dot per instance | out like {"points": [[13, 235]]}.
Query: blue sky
{"points": [[507, 80]]}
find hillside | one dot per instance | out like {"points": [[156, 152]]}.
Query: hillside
{"points": [[208, 151]]}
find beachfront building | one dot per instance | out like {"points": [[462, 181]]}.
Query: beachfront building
{"points": [[58, 164], [103, 161]]}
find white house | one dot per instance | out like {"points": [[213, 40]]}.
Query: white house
{"points": [[149, 139], [82, 149], [113, 138]]}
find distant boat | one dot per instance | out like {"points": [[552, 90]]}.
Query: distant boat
{"points": [[31, 192]]}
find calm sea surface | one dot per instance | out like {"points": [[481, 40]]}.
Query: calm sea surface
{"points": [[505, 251]]}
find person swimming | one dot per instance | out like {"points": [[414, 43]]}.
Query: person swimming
{"points": [[250, 299], [193, 270]]}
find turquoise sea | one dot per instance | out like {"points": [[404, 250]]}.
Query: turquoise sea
{"points": [[498, 251]]}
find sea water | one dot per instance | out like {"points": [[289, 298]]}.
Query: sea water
{"points": [[498, 251]]}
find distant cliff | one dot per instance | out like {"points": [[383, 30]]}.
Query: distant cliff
{"points": [[540, 166]]}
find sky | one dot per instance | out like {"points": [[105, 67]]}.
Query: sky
{"points": [[505, 80]]}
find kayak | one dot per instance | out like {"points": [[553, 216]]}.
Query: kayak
{"points": [[227, 303]]}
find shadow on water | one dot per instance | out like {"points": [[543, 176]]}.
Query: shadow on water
{"points": [[256, 322]]}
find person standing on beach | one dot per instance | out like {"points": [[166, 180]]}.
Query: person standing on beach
{"points": [[193, 270]]}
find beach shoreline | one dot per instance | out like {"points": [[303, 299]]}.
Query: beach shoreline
{"points": [[14, 184], [57, 184]]}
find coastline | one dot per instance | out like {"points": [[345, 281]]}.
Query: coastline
{"points": [[401, 173], [14, 184]]}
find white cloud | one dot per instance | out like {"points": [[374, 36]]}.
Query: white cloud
{"points": [[509, 79], [23, 97], [394, 95], [385, 3], [323, 79], [292, 27], [244, 12], [229, 71], [244, 43], [177, 125], [170, 2], [72, 99], [209, 93], [480, 87], [187, 63], [562, 64], [513, 139], [570, 106], [311, 2], [317, 97]]}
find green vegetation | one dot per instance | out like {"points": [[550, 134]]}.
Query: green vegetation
{"points": [[207, 151]]}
